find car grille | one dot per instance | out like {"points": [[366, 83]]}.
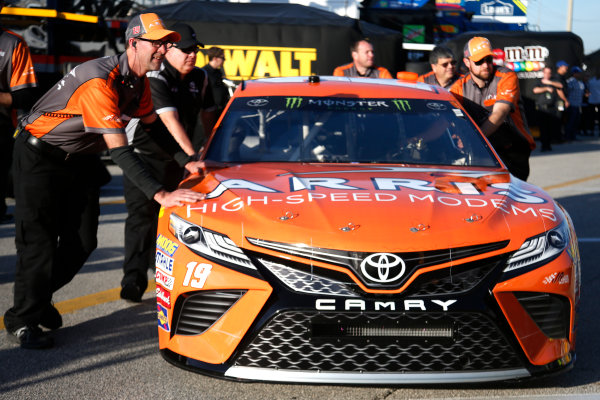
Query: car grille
{"points": [[456, 279], [200, 310], [305, 282], [352, 259], [445, 282], [309, 279], [549, 311], [290, 342]]}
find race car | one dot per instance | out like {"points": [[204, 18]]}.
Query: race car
{"points": [[362, 231]]}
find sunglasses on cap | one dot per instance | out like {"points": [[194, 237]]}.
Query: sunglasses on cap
{"points": [[487, 60]]}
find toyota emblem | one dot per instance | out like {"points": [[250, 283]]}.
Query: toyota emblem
{"points": [[383, 267], [436, 106], [257, 102]]}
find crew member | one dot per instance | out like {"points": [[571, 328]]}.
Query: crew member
{"points": [[443, 68], [492, 97], [17, 94], [180, 93], [56, 211], [363, 62]]}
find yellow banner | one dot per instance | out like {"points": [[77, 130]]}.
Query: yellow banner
{"points": [[48, 13], [251, 62]]}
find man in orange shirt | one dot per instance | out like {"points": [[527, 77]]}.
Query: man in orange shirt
{"points": [[363, 62], [57, 204], [17, 94], [443, 68], [492, 97]]}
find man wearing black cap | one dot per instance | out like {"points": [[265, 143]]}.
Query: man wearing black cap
{"points": [[180, 93], [57, 205]]}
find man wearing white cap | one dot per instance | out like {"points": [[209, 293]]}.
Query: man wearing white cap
{"points": [[56, 213], [492, 97]]}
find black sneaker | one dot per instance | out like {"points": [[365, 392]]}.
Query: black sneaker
{"points": [[132, 292], [51, 319], [30, 337]]}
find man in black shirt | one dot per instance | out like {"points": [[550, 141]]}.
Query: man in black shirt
{"points": [[180, 93], [216, 58], [548, 92]]}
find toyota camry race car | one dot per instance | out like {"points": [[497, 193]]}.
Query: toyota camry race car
{"points": [[363, 231]]}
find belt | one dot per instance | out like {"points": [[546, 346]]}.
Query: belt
{"points": [[45, 147]]}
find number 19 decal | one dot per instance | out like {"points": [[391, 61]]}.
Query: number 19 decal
{"points": [[199, 272]]}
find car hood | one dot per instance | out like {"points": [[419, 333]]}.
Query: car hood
{"points": [[370, 208]]}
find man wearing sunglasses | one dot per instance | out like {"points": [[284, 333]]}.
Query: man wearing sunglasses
{"points": [[181, 94], [443, 68], [57, 201], [492, 97]]}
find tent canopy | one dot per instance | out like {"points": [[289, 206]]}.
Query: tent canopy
{"points": [[263, 39]]}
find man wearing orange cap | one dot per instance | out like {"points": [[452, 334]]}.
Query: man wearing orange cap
{"points": [[180, 93], [57, 204], [492, 97]]}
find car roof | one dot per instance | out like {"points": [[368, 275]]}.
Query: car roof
{"points": [[335, 86]]}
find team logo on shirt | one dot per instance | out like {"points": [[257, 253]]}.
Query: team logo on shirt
{"points": [[112, 117]]}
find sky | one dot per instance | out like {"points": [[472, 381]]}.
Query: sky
{"points": [[551, 15]]}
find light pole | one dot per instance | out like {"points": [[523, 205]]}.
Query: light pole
{"points": [[570, 16]]}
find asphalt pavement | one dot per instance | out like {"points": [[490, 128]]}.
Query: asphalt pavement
{"points": [[108, 348]]}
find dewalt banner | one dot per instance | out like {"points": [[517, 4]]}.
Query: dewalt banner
{"points": [[272, 40], [249, 62]]}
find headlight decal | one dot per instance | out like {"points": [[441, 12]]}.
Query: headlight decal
{"points": [[540, 248], [208, 243]]}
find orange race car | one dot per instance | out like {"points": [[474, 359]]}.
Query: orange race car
{"points": [[363, 231]]}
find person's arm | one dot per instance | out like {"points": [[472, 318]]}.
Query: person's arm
{"points": [[508, 95], [5, 99], [542, 89], [556, 84], [561, 94], [499, 114], [124, 156]]}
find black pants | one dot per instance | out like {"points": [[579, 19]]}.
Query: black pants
{"points": [[56, 217], [549, 123], [6, 149], [142, 220]]}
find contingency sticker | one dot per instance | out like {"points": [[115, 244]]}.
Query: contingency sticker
{"points": [[163, 318], [165, 280], [163, 297], [166, 245], [164, 262]]}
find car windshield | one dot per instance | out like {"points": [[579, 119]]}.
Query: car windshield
{"points": [[348, 130]]}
